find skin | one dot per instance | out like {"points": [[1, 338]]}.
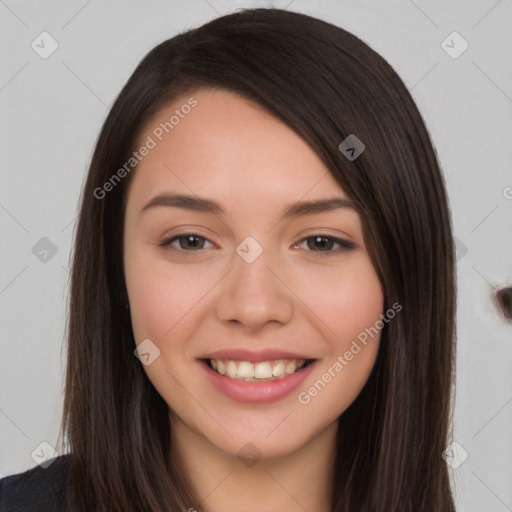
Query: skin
{"points": [[294, 296]]}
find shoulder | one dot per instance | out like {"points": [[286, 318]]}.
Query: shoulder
{"points": [[37, 489]]}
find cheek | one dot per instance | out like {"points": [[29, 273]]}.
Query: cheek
{"points": [[348, 308], [159, 298], [159, 302], [361, 303], [147, 298], [345, 301]]}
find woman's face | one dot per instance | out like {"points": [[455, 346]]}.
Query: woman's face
{"points": [[242, 284]]}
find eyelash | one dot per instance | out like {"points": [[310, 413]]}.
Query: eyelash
{"points": [[345, 244]]}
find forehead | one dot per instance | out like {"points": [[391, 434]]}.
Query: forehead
{"points": [[228, 146]]}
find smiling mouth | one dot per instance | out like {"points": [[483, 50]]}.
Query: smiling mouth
{"points": [[261, 371]]}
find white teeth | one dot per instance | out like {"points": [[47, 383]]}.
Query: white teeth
{"points": [[290, 368], [263, 370], [278, 369], [220, 367], [231, 369], [245, 370]]}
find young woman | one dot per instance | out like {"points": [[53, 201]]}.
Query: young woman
{"points": [[263, 293]]}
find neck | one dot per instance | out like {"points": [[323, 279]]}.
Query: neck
{"points": [[224, 482]]}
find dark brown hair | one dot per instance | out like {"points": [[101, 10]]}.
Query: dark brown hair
{"points": [[325, 84]]}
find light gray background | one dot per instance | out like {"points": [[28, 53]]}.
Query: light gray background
{"points": [[51, 111]]}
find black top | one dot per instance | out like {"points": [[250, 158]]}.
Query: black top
{"points": [[37, 489]]}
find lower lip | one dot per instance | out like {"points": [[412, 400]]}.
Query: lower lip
{"points": [[256, 392]]}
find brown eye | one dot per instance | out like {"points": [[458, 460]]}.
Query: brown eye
{"points": [[187, 242], [321, 242], [324, 244]]}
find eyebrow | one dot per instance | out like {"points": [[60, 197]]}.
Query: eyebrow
{"points": [[201, 204]]}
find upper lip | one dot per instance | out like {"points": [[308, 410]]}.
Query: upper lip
{"points": [[244, 354]]}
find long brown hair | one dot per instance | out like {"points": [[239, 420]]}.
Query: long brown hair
{"points": [[325, 84]]}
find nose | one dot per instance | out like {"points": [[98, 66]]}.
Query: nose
{"points": [[256, 293]]}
